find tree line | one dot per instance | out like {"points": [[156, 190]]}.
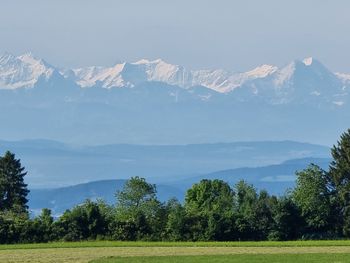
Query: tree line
{"points": [[318, 207]]}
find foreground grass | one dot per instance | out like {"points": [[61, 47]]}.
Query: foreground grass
{"points": [[172, 254], [240, 258], [92, 244]]}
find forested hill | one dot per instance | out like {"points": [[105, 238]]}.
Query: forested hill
{"points": [[274, 178]]}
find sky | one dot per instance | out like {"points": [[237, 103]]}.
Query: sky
{"points": [[228, 34]]}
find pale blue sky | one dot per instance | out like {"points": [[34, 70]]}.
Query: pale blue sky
{"points": [[236, 35]]}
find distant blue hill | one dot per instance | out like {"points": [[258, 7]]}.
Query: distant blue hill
{"points": [[52, 164], [61, 175], [274, 178]]}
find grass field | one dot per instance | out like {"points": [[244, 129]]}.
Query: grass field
{"points": [[308, 243], [262, 258], [168, 252]]}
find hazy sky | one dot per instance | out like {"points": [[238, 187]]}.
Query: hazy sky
{"points": [[236, 35]]}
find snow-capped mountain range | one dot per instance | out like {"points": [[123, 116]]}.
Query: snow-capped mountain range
{"points": [[153, 102], [129, 74], [301, 80]]}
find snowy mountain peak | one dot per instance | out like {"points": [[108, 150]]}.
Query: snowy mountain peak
{"points": [[308, 61], [23, 71], [30, 59]]}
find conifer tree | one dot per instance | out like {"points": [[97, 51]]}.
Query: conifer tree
{"points": [[340, 175], [13, 190]]}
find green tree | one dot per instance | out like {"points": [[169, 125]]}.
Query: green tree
{"points": [[288, 223], [39, 229], [245, 202], [13, 226], [85, 221], [138, 205], [13, 190], [210, 204], [263, 215], [312, 195], [340, 177], [45, 220], [175, 229], [137, 195]]}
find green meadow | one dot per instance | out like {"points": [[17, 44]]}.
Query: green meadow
{"points": [[217, 252]]}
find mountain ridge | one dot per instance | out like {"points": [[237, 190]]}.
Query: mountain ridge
{"points": [[267, 103], [25, 71]]}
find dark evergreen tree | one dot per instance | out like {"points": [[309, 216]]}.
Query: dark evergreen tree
{"points": [[340, 176], [13, 190]]}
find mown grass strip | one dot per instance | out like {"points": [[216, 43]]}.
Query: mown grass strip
{"points": [[87, 254], [321, 243], [261, 258]]}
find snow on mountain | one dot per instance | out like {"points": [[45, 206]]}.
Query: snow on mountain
{"points": [[308, 61], [344, 77], [23, 71], [87, 77], [294, 80], [300, 80], [158, 70]]}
